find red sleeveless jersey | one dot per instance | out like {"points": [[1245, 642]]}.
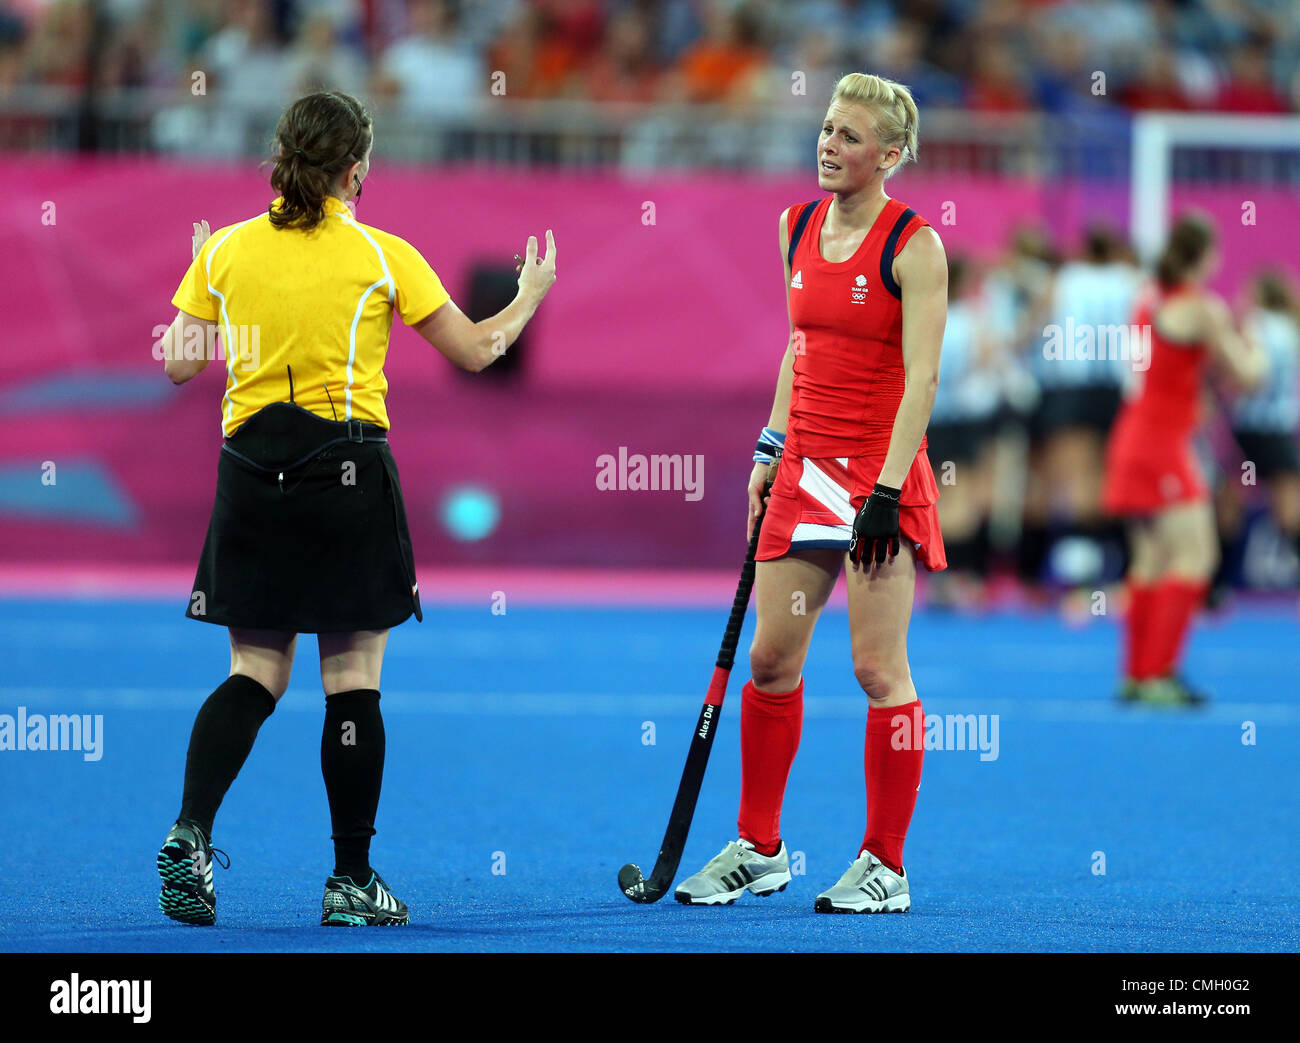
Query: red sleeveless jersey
{"points": [[1151, 464], [1167, 403], [848, 324]]}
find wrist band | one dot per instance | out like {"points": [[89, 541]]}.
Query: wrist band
{"points": [[769, 441], [886, 492]]}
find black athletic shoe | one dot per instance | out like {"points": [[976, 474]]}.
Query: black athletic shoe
{"points": [[1191, 696], [347, 904], [185, 865], [1218, 598]]}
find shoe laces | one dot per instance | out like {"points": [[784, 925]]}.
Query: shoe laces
{"points": [[869, 867], [205, 845], [215, 854], [730, 854]]}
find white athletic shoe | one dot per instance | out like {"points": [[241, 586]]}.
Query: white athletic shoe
{"points": [[869, 886], [737, 869]]}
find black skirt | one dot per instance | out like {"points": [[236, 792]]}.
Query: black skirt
{"points": [[959, 441], [308, 531], [1272, 452], [1091, 406]]}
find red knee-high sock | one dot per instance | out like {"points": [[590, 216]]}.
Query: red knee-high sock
{"points": [[1177, 602], [893, 770], [1137, 626], [770, 724]]}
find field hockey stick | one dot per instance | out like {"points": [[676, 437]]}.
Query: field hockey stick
{"points": [[631, 881]]}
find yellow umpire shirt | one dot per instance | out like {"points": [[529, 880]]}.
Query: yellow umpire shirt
{"points": [[319, 301]]}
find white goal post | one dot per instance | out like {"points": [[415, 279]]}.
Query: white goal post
{"points": [[1157, 134]]}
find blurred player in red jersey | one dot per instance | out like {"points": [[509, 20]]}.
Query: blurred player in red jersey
{"points": [[866, 288], [1153, 479]]}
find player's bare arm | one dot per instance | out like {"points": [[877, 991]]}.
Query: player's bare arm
{"points": [[1237, 355], [780, 414], [921, 270]]}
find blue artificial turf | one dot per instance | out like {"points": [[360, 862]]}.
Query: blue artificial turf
{"points": [[520, 777]]}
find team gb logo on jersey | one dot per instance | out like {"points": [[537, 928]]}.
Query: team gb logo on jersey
{"points": [[859, 293]]}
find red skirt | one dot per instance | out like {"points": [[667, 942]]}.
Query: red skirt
{"points": [[1148, 470], [814, 501]]}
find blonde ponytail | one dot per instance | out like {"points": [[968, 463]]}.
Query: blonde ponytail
{"points": [[892, 105]]}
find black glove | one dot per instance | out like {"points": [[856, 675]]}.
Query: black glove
{"points": [[875, 528]]}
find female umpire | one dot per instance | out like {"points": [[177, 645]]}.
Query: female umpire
{"points": [[308, 531]]}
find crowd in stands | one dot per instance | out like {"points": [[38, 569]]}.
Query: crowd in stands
{"points": [[990, 55]]}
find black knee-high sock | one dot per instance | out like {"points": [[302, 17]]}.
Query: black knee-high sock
{"points": [[1227, 545], [1032, 552], [1108, 537], [960, 553], [223, 734], [981, 550], [352, 762]]}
